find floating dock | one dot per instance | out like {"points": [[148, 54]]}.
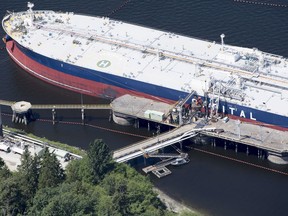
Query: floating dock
{"points": [[160, 170]]}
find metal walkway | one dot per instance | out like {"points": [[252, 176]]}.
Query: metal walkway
{"points": [[62, 106], [155, 143]]}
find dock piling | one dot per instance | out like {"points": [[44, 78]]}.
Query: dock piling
{"points": [[110, 116], [1, 129], [13, 116], [53, 116], [136, 123], [83, 116]]}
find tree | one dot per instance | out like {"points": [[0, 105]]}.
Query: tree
{"points": [[107, 207], [2, 163], [28, 174], [100, 159], [92, 167], [41, 200], [132, 193], [4, 171], [77, 198], [140, 193], [51, 173], [116, 186], [79, 170], [12, 200]]}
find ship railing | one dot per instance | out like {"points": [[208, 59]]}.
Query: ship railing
{"points": [[229, 90]]}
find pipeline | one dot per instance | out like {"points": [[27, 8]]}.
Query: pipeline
{"points": [[240, 161], [261, 3], [119, 8]]}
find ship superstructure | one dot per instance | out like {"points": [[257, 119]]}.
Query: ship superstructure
{"points": [[104, 57]]}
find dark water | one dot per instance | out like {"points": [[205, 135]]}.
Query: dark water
{"points": [[211, 184]]}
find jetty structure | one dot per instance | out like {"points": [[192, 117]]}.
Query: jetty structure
{"points": [[185, 122], [188, 122], [22, 110]]}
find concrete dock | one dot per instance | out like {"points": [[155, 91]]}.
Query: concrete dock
{"points": [[274, 142], [128, 106], [253, 135]]}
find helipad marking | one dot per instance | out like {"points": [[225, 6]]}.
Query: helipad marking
{"points": [[103, 63]]}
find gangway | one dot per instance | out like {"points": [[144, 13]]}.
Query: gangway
{"points": [[151, 145]]}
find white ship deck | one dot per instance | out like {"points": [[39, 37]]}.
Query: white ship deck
{"points": [[243, 76]]}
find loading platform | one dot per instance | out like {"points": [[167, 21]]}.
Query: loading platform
{"points": [[272, 140], [262, 137]]}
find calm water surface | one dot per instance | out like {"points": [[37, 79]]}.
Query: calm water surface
{"points": [[211, 184]]}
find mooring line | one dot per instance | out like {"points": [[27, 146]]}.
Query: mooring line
{"points": [[95, 126], [261, 3], [89, 125], [240, 161], [119, 8]]}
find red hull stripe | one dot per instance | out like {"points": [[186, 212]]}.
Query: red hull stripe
{"points": [[68, 81]]}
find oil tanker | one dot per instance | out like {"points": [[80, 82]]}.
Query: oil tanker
{"points": [[103, 57]]}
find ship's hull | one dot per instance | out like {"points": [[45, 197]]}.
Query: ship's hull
{"points": [[96, 83]]}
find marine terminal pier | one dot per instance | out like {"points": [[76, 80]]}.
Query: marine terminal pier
{"points": [[129, 110]]}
